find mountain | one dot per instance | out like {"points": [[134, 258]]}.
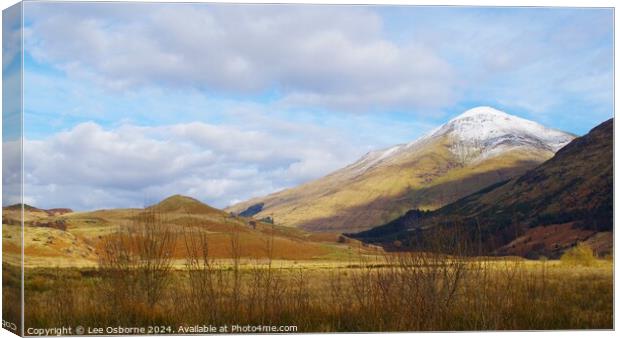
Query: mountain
{"points": [[567, 199], [480, 147]]}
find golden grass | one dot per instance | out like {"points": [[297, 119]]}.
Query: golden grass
{"points": [[140, 280], [392, 294]]}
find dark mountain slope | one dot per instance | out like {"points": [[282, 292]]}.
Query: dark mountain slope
{"points": [[573, 191]]}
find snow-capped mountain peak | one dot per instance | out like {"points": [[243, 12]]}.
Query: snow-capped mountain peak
{"points": [[482, 132], [477, 134]]}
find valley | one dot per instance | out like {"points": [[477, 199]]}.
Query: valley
{"points": [[503, 229]]}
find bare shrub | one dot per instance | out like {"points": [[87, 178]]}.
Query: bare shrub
{"points": [[403, 291], [235, 293], [136, 262], [205, 281]]}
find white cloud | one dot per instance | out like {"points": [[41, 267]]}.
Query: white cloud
{"points": [[347, 58], [332, 56], [90, 167]]}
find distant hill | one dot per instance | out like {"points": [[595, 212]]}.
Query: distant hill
{"points": [[29, 208], [184, 204], [12, 214], [19, 206], [567, 199], [480, 147]]}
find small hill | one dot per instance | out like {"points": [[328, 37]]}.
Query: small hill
{"points": [[12, 214], [184, 204], [568, 198], [482, 146], [60, 238], [30, 208], [19, 206]]}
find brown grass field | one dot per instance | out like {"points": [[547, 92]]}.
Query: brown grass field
{"points": [[484, 295], [405, 292], [154, 272]]}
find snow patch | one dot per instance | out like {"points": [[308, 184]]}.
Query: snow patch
{"points": [[477, 134], [484, 131], [374, 157]]}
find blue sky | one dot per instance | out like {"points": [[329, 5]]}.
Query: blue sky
{"points": [[126, 103]]}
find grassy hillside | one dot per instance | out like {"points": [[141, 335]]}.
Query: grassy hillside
{"points": [[425, 177]]}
